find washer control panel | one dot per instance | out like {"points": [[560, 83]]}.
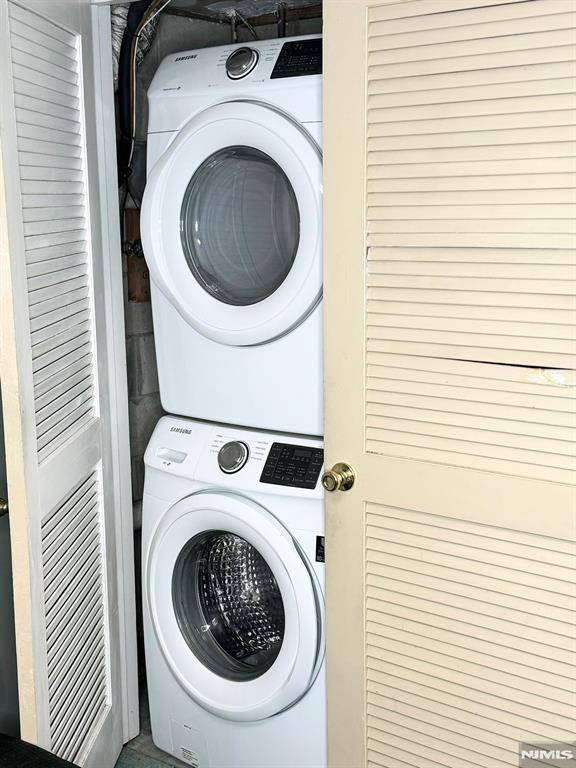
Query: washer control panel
{"points": [[295, 465], [299, 57]]}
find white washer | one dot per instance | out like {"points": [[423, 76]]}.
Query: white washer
{"points": [[233, 579], [232, 233]]}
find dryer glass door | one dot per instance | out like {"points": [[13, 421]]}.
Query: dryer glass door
{"points": [[240, 225], [235, 606], [232, 223]]}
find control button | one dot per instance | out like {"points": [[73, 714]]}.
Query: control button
{"points": [[232, 456], [241, 62]]}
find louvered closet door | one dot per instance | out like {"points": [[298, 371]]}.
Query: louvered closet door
{"points": [[450, 353], [54, 369]]}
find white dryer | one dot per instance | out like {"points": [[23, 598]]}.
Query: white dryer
{"points": [[233, 578], [232, 233]]}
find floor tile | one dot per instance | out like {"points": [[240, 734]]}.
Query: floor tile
{"points": [[141, 752], [129, 758]]}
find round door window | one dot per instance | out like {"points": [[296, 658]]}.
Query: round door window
{"points": [[240, 225], [228, 605]]}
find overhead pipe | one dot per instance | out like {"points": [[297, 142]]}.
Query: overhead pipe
{"points": [[281, 11], [196, 15], [264, 19]]}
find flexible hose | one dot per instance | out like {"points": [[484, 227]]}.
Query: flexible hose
{"points": [[126, 84], [118, 14]]}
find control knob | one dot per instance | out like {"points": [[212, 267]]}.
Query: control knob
{"points": [[241, 62], [232, 456]]}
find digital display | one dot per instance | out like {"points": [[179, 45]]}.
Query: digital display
{"points": [[301, 453]]}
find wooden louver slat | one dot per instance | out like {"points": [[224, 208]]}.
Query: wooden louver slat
{"points": [[469, 646], [72, 548], [48, 101], [471, 243]]}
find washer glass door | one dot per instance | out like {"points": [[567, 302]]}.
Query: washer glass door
{"points": [[235, 606], [228, 605]]}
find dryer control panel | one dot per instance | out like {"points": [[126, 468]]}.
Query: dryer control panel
{"points": [[299, 57], [294, 465]]}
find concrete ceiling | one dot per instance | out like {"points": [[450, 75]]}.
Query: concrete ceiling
{"points": [[246, 7]]}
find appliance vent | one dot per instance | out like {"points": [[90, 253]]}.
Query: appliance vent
{"points": [[72, 560], [190, 757], [50, 130]]}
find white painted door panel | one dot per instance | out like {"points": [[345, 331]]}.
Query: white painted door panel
{"points": [[56, 374]]}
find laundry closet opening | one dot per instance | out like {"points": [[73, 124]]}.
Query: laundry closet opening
{"points": [[233, 182]]}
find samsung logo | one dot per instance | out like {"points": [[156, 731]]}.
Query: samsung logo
{"points": [[181, 430], [185, 58]]}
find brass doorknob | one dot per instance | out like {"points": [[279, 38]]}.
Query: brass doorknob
{"points": [[340, 478], [3, 507]]}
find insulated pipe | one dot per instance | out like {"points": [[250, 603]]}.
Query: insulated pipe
{"points": [[136, 13]]}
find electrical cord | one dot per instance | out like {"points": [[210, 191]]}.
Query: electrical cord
{"points": [[122, 209], [128, 101], [156, 7], [135, 199], [244, 21], [140, 14]]}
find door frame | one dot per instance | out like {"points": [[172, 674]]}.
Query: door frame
{"points": [[117, 383]]}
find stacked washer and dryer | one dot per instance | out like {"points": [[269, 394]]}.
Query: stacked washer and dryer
{"points": [[233, 522]]}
